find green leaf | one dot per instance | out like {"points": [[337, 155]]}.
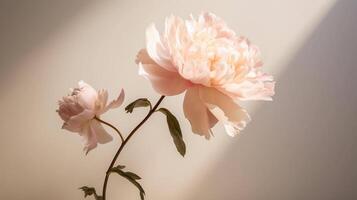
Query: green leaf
{"points": [[120, 166], [130, 176], [141, 190], [142, 102], [175, 131], [89, 191], [133, 175]]}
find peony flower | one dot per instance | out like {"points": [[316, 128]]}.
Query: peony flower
{"points": [[212, 64], [79, 109]]}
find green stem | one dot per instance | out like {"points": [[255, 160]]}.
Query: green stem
{"points": [[125, 142]]}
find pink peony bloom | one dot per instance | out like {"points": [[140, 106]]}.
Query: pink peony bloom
{"points": [[78, 110], [212, 64]]}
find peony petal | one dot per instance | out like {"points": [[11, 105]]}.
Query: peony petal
{"points": [[143, 57], [196, 112], [89, 137], [101, 134], [93, 133], [115, 103], [176, 35], [210, 20], [87, 95], [225, 110], [248, 90], [76, 123], [102, 100], [66, 110], [157, 50], [163, 81]]}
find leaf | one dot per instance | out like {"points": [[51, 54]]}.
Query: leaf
{"points": [[133, 175], [130, 176], [141, 190], [142, 102], [89, 191], [175, 131], [120, 166]]}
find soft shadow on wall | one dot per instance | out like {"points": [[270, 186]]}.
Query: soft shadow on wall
{"points": [[27, 24], [302, 145]]}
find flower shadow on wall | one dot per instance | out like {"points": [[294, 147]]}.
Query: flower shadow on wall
{"points": [[304, 144]]}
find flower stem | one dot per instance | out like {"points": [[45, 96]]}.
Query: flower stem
{"points": [[125, 142], [113, 127]]}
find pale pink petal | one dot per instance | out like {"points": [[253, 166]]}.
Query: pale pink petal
{"points": [[163, 81], [63, 114], [102, 135], [199, 74], [225, 110], [176, 35], [66, 110], [157, 49], [115, 103], [248, 90], [74, 129], [143, 57], [93, 133], [89, 137], [87, 95], [70, 106], [102, 100], [196, 112], [210, 20], [76, 122]]}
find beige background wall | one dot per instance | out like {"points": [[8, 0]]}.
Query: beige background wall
{"points": [[300, 146]]}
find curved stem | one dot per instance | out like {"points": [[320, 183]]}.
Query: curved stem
{"points": [[125, 142], [111, 126]]}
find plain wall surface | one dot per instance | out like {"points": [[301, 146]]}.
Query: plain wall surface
{"points": [[300, 146]]}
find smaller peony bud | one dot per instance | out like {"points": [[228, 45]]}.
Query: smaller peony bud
{"points": [[79, 109]]}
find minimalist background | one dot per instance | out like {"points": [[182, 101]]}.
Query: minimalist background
{"points": [[300, 146]]}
